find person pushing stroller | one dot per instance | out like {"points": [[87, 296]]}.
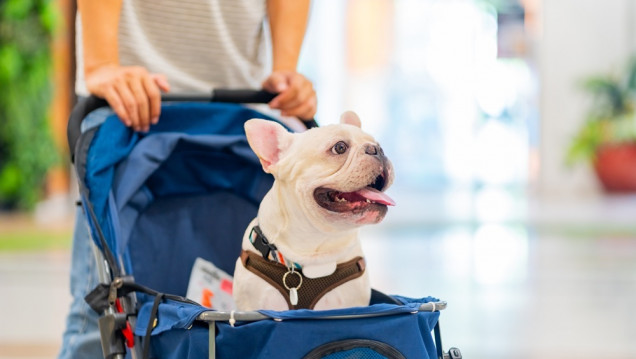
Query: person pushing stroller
{"points": [[129, 51]]}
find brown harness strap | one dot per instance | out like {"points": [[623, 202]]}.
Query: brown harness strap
{"points": [[312, 289]]}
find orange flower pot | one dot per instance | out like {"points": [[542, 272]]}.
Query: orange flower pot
{"points": [[615, 166]]}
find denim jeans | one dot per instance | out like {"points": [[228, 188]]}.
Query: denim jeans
{"points": [[81, 337]]}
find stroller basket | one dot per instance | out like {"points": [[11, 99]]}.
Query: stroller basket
{"points": [[201, 333], [212, 317], [156, 201]]}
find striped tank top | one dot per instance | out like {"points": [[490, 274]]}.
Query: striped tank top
{"points": [[197, 44]]}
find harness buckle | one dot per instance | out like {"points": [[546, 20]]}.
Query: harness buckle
{"points": [[261, 243]]}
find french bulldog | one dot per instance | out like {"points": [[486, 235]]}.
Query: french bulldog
{"points": [[328, 181]]}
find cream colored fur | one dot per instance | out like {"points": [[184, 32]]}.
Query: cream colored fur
{"points": [[290, 217]]}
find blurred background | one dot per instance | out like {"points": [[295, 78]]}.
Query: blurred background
{"points": [[511, 127]]}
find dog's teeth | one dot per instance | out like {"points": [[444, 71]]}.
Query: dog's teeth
{"points": [[368, 201]]}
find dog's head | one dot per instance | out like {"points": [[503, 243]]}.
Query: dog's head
{"points": [[336, 175]]}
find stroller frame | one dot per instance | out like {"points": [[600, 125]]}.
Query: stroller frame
{"points": [[119, 316]]}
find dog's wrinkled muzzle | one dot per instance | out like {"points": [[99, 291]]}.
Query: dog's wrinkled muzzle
{"points": [[369, 197]]}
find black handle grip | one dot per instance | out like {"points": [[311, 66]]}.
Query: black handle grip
{"points": [[89, 104], [222, 95]]}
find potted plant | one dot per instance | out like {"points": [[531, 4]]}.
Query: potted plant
{"points": [[607, 139]]}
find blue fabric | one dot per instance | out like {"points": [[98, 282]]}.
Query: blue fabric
{"points": [[214, 129], [300, 332], [173, 231], [409, 305], [96, 118], [172, 315], [173, 164], [182, 343]]}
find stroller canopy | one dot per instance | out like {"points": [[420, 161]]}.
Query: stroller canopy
{"points": [[192, 175]]}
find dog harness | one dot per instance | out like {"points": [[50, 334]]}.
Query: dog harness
{"points": [[287, 277]]}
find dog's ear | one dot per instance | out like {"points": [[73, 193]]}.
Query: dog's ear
{"points": [[350, 118], [267, 139]]}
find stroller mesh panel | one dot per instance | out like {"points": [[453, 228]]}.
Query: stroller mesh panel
{"points": [[103, 150], [176, 196], [361, 353], [355, 349], [173, 231]]}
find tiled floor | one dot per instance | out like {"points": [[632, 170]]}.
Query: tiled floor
{"points": [[517, 293], [550, 279], [33, 303]]}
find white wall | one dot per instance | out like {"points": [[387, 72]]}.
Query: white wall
{"points": [[579, 38]]}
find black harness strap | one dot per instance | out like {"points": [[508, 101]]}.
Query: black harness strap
{"points": [[108, 254], [151, 325]]}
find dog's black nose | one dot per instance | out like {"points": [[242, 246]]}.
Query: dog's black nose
{"points": [[372, 150]]}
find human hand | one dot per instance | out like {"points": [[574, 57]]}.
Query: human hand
{"points": [[296, 95], [131, 91]]}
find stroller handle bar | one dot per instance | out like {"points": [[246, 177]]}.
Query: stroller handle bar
{"points": [[223, 95], [86, 105]]}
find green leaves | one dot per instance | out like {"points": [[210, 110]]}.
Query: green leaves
{"points": [[10, 63], [17, 9], [26, 147], [611, 99], [631, 76], [611, 117]]}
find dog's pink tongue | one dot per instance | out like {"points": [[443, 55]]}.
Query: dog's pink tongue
{"points": [[374, 195]]}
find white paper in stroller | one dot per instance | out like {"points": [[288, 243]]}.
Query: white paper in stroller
{"points": [[210, 286]]}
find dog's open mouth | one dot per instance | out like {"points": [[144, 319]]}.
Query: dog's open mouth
{"points": [[361, 199]]}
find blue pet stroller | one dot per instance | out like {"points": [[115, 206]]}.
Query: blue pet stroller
{"points": [[188, 188]]}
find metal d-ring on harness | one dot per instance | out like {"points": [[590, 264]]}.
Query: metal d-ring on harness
{"points": [[270, 252], [287, 276], [293, 291]]}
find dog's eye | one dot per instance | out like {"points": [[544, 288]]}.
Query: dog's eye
{"points": [[339, 148]]}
